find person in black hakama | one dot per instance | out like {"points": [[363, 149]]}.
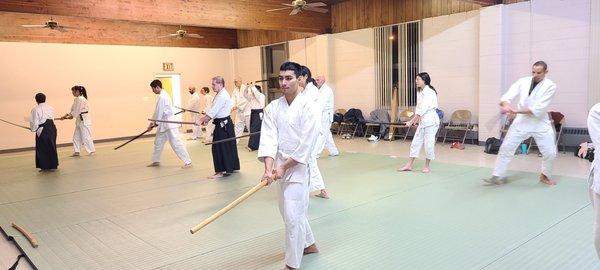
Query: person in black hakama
{"points": [[225, 155], [41, 122]]}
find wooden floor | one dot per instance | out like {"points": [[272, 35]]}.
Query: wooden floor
{"points": [[109, 211]]}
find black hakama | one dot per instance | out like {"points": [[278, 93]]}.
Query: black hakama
{"points": [[255, 124], [225, 155], [46, 157]]}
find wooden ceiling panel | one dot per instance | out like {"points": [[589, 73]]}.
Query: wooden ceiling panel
{"points": [[97, 31], [233, 14]]}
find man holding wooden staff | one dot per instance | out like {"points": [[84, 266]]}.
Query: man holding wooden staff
{"points": [[225, 155], [166, 131], [289, 130]]}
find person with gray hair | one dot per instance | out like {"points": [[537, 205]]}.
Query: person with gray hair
{"points": [[225, 155]]}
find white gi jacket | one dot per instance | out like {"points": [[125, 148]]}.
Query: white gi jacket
{"points": [[290, 131], [80, 111], [256, 99], [194, 102], [326, 100], [240, 101], [426, 105], [39, 114], [537, 102], [164, 111]]}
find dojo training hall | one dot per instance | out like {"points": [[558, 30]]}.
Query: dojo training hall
{"points": [[279, 134]]}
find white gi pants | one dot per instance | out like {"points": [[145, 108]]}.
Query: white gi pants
{"points": [[83, 135], [293, 206], [326, 140], [595, 199], [316, 179], [514, 137], [171, 135], [424, 136], [196, 130], [241, 121]]}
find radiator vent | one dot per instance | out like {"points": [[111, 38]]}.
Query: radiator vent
{"points": [[575, 131]]}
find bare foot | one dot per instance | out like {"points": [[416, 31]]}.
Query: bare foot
{"points": [[154, 164], [311, 249], [76, 154], [288, 267], [91, 154], [323, 194], [426, 170], [187, 166], [406, 168], [544, 179], [216, 175]]}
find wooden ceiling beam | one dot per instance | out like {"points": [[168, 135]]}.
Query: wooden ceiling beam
{"points": [[110, 32], [233, 14], [484, 2]]}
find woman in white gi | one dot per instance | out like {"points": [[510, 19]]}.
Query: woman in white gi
{"points": [[428, 123], [83, 122], [593, 123], [289, 131], [534, 94]]}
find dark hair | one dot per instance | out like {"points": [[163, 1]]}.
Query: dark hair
{"points": [[258, 88], [206, 90], [293, 66], [425, 77], [81, 90], [305, 71], [40, 98], [541, 64], [156, 83]]}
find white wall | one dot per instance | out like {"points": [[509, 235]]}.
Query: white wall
{"points": [[449, 56], [560, 36], [352, 66], [117, 79], [247, 64]]}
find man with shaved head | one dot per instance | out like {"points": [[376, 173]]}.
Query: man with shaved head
{"points": [[326, 100]]}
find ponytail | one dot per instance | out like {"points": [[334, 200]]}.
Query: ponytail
{"points": [[81, 90]]}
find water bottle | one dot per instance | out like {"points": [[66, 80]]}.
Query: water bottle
{"points": [[523, 148]]}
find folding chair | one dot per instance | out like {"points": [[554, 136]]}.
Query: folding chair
{"points": [[460, 122]]}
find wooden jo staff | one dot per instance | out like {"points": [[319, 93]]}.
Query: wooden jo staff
{"points": [[27, 235], [231, 139], [11, 123], [186, 110], [229, 207], [172, 122], [134, 138]]}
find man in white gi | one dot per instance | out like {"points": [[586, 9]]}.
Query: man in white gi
{"points": [[593, 123], [166, 131], [240, 106], [534, 96], [194, 105], [327, 101], [311, 92], [225, 155], [289, 130]]}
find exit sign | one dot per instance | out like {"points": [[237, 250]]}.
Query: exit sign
{"points": [[168, 67]]}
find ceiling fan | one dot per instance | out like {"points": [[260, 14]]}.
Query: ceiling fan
{"points": [[300, 5], [52, 24], [179, 34]]}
